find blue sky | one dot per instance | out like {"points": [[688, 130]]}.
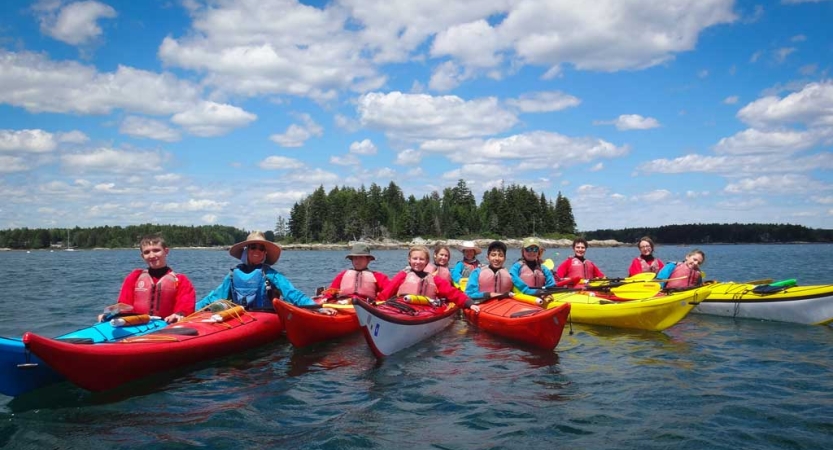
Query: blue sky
{"points": [[642, 113]]}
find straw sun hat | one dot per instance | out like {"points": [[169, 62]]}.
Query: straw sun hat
{"points": [[470, 245], [273, 251]]}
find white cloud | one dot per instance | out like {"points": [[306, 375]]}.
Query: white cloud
{"points": [[657, 196], [190, 206], [280, 163], [811, 106], [113, 161], [731, 100], [446, 76], [365, 147], [751, 141], [346, 160], [537, 102], [212, 119], [474, 44], [76, 23], [27, 141], [777, 184], [286, 196], [9, 164], [828, 200], [148, 128], [296, 135], [631, 122], [409, 157]]}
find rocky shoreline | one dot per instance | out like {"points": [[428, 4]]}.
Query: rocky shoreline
{"points": [[388, 244]]}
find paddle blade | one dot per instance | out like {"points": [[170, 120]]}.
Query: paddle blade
{"points": [[636, 291], [644, 276], [118, 308], [549, 264]]}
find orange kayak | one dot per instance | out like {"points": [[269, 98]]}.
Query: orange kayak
{"points": [[308, 326], [522, 322]]}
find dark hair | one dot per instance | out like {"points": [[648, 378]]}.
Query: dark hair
{"points": [[496, 245], [646, 239], [580, 240], [153, 239]]}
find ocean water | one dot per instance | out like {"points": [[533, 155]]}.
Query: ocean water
{"points": [[707, 382]]}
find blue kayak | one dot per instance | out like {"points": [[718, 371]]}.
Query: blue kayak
{"points": [[21, 371]]}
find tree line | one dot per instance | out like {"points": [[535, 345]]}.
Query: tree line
{"points": [[121, 237], [348, 214], [735, 233]]}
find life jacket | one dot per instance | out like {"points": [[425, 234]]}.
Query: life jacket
{"points": [[155, 298], [439, 271], [358, 282], [687, 277], [414, 284], [491, 281], [652, 267], [581, 269], [468, 267], [533, 278], [252, 290]]}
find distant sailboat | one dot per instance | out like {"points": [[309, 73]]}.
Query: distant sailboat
{"points": [[68, 249]]}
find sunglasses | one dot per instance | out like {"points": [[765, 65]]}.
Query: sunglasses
{"points": [[260, 247], [531, 249]]}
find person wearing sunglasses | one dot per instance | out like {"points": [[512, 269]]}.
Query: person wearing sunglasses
{"points": [[254, 283], [528, 273], [645, 262], [577, 266]]}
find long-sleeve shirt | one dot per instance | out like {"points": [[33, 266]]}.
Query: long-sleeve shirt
{"points": [[520, 284], [289, 292]]}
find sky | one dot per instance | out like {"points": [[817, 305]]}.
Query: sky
{"points": [[194, 112]]}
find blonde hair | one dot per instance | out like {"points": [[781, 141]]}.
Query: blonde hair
{"points": [[420, 248], [152, 239]]}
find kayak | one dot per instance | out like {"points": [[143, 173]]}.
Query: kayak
{"points": [[780, 301], [201, 336], [21, 371], [308, 326], [395, 325], [651, 313], [522, 322]]}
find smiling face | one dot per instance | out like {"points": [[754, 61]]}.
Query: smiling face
{"points": [[645, 248], [531, 253], [694, 260], [496, 258], [155, 255], [418, 259], [256, 254], [441, 257], [468, 253], [579, 249]]}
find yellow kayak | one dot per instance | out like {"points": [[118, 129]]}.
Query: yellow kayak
{"points": [[653, 313], [811, 305]]}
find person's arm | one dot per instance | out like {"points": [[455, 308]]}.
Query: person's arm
{"points": [[636, 267], [220, 293], [660, 264], [128, 286], [563, 268], [288, 291], [520, 284], [549, 279], [473, 286], [597, 273], [382, 282], [390, 290], [449, 292], [457, 272], [335, 286], [186, 297]]}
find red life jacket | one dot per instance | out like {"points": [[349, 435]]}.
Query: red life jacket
{"points": [[687, 277], [533, 278], [581, 269], [414, 284], [490, 281], [156, 299], [653, 267], [361, 283]]}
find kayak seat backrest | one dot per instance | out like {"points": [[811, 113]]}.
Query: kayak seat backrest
{"points": [[77, 340], [183, 331]]}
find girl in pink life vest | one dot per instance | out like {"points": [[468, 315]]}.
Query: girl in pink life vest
{"points": [[646, 261], [359, 281], [416, 280], [442, 254], [577, 266], [157, 290], [683, 274]]}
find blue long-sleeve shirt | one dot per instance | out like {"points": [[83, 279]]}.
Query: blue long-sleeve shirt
{"points": [[289, 292], [458, 269], [515, 272]]}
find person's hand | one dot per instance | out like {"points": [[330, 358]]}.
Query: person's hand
{"points": [[475, 308], [327, 311], [173, 318], [101, 317]]}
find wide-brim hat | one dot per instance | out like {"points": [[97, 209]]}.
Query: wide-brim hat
{"points": [[470, 245], [360, 249], [273, 250]]}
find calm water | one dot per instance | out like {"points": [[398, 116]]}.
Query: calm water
{"points": [[707, 382]]}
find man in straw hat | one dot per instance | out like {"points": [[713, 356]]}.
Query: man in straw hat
{"points": [[253, 283], [463, 268], [358, 282]]}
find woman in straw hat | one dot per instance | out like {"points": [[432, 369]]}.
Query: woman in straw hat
{"points": [[358, 282], [253, 283], [463, 268]]}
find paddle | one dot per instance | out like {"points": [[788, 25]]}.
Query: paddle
{"points": [[761, 281], [113, 311]]}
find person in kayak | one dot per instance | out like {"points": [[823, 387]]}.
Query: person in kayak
{"points": [[577, 266], [416, 280], [492, 280], [646, 261], [685, 273], [157, 290], [442, 254], [469, 262], [528, 273], [359, 281], [254, 283]]}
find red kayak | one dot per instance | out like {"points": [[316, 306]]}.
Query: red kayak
{"points": [[308, 326], [522, 322], [395, 324], [201, 336]]}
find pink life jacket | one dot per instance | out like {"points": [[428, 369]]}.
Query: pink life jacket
{"points": [[653, 267], [687, 277], [581, 269], [441, 272], [533, 278], [361, 283], [156, 299], [490, 281], [414, 284]]}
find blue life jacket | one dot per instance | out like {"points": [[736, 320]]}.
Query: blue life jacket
{"points": [[251, 290]]}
